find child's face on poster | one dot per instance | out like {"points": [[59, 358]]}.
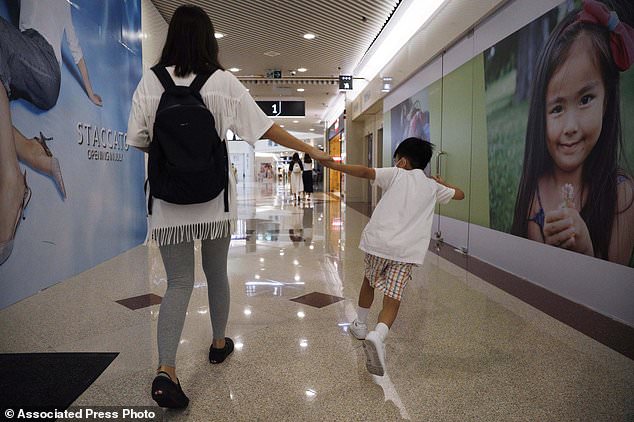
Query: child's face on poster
{"points": [[574, 107]]}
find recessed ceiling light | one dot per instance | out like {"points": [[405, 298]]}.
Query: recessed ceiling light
{"points": [[219, 35], [295, 121], [311, 129], [300, 89], [248, 90], [234, 69], [309, 36], [302, 69], [281, 125]]}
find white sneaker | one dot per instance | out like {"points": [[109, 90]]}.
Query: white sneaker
{"points": [[374, 349], [358, 329]]}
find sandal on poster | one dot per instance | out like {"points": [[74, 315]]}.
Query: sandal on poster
{"points": [[219, 355], [55, 170], [167, 393], [6, 247]]}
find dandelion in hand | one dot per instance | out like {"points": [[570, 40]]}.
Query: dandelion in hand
{"points": [[568, 196]]}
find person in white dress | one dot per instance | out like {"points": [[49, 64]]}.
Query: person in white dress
{"points": [[296, 169]]}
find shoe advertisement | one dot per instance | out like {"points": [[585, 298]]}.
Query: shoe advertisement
{"points": [[69, 183]]}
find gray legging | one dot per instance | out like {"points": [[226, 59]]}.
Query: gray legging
{"points": [[179, 266]]}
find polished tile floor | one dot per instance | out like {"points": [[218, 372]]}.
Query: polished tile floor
{"points": [[460, 349]]}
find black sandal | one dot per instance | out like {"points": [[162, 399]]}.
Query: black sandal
{"points": [[167, 393], [219, 355]]}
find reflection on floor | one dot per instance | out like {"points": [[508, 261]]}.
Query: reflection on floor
{"points": [[460, 349]]}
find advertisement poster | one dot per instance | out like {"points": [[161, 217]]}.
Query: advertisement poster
{"points": [[554, 136], [560, 144], [411, 119], [68, 71]]}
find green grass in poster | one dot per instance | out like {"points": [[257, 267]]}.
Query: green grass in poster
{"points": [[506, 126]]}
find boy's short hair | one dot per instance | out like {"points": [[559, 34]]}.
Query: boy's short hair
{"points": [[416, 150]]}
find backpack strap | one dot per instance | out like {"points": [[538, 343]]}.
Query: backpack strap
{"points": [[200, 80], [164, 77]]}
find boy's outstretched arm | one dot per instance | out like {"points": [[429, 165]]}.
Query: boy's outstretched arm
{"points": [[459, 195], [353, 170]]}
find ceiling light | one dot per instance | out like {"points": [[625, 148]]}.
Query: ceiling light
{"points": [[302, 69], [405, 22], [311, 129], [234, 69], [295, 121], [219, 35], [300, 89], [309, 36], [387, 84], [281, 125]]}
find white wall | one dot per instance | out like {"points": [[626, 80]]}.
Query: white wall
{"points": [[154, 29]]}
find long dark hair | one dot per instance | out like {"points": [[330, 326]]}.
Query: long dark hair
{"points": [[191, 45], [294, 160], [600, 170], [307, 158]]}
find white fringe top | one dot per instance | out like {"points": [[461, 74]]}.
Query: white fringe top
{"points": [[234, 109]]}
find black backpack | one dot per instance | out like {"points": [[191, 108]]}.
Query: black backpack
{"points": [[187, 162]]}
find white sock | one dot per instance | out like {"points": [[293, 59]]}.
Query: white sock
{"points": [[382, 329], [362, 314]]}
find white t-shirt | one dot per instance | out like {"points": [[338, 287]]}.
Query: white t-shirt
{"points": [[233, 108], [401, 224]]}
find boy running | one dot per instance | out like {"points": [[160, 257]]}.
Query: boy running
{"points": [[396, 238]]}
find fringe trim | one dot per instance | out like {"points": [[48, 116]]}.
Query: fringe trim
{"points": [[190, 232]]}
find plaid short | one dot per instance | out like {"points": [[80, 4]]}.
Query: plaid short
{"points": [[388, 276]]}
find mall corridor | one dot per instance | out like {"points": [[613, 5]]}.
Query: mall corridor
{"points": [[468, 162], [460, 349]]}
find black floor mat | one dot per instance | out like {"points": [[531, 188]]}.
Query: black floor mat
{"points": [[48, 380]]}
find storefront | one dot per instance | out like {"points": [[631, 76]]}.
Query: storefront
{"points": [[336, 149]]}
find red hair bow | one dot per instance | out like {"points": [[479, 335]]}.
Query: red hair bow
{"points": [[621, 34]]}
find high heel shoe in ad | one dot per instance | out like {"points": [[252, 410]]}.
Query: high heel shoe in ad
{"points": [[56, 170], [6, 247]]}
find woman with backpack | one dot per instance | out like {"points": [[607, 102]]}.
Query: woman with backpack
{"points": [[296, 170], [190, 57]]}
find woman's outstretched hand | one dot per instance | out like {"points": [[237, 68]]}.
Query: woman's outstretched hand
{"points": [[321, 156]]}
